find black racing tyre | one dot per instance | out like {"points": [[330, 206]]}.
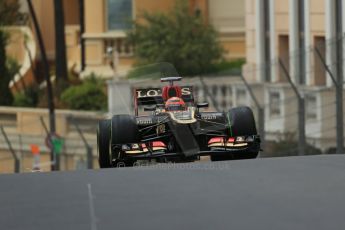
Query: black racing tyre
{"points": [[103, 143], [242, 121], [124, 130], [242, 124]]}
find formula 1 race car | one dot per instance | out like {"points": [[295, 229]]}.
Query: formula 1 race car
{"points": [[176, 130]]}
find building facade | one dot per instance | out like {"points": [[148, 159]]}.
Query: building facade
{"points": [[300, 35], [107, 21]]}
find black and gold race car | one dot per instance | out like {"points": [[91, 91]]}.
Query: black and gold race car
{"points": [[177, 129]]}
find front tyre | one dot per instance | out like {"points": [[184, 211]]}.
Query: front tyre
{"points": [[242, 121], [124, 130], [242, 124]]}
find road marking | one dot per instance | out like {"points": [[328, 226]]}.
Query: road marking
{"points": [[92, 209]]}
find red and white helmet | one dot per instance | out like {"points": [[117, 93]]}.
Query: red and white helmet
{"points": [[175, 104]]}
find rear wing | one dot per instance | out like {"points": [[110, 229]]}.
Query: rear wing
{"points": [[153, 96]]}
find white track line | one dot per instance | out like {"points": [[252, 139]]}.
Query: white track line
{"points": [[92, 209]]}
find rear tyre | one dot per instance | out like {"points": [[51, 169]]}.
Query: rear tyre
{"points": [[103, 144], [124, 130], [242, 124]]}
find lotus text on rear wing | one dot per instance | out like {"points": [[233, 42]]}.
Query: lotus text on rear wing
{"points": [[143, 93]]}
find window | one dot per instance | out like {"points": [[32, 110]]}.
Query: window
{"points": [[283, 50], [311, 107], [119, 14], [274, 99], [319, 70]]}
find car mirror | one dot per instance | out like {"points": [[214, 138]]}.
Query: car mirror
{"points": [[202, 105], [150, 108]]}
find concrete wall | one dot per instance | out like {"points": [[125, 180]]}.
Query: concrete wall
{"points": [[227, 16], [141, 6], [67, 162]]}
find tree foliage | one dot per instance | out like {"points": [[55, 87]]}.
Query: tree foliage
{"points": [[87, 96], [9, 15], [9, 12], [178, 37]]}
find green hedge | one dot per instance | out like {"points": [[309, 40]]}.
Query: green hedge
{"points": [[89, 95], [27, 98]]}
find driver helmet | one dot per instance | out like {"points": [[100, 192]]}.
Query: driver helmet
{"points": [[175, 104]]}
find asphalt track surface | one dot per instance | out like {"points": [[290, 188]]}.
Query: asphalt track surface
{"points": [[278, 193]]}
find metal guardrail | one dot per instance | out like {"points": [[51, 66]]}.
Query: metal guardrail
{"points": [[22, 127], [14, 155]]}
